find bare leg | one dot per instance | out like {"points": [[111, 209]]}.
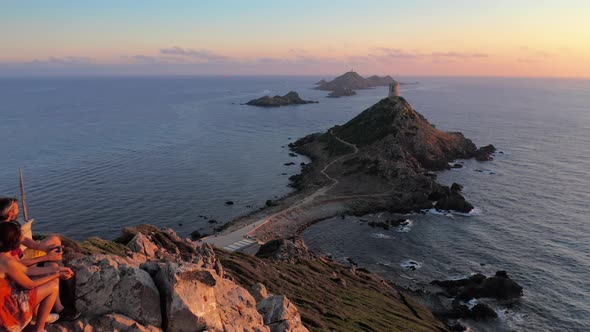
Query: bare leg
{"points": [[55, 241], [46, 296]]}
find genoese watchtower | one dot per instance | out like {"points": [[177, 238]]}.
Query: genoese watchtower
{"points": [[393, 90]]}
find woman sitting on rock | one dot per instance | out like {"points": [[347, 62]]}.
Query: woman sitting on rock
{"points": [[21, 297]]}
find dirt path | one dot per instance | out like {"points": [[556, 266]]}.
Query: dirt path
{"points": [[287, 221]]}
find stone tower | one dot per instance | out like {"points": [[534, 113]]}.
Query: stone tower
{"points": [[393, 90]]}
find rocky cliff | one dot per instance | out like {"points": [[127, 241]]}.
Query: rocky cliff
{"points": [[152, 280], [396, 148]]}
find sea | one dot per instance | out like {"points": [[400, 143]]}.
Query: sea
{"points": [[102, 153]]}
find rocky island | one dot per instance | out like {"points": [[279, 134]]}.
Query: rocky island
{"points": [[353, 81], [341, 93], [291, 98]]}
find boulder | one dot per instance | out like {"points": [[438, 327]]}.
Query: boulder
{"points": [[142, 245], [258, 291], [485, 153], [482, 312], [107, 283], [454, 201], [198, 299], [280, 314]]}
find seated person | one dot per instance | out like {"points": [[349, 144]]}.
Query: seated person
{"points": [[31, 256], [21, 297], [41, 257]]}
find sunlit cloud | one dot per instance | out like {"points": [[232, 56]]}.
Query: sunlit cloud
{"points": [[203, 55]]}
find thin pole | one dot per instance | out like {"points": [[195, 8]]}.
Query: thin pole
{"points": [[22, 195]]}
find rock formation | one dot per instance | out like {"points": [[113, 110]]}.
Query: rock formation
{"points": [[353, 81], [500, 287], [397, 149], [291, 98], [161, 282], [346, 92]]}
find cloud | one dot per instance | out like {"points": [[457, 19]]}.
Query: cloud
{"points": [[386, 53], [203, 55], [458, 55], [64, 60]]}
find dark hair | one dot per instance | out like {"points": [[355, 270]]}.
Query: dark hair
{"points": [[10, 235], [5, 205]]}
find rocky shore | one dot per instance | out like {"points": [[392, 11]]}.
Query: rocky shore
{"points": [[150, 279]]}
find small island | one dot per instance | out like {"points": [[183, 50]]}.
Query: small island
{"points": [[341, 93], [291, 98]]}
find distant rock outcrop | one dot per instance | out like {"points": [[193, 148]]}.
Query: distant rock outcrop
{"points": [[341, 93], [353, 81], [291, 98], [320, 82]]}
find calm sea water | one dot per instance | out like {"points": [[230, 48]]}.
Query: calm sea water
{"points": [[103, 153], [532, 212]]}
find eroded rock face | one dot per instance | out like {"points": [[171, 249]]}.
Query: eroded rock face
{"points": [[164, 283], [108, 284], [280, 314]]}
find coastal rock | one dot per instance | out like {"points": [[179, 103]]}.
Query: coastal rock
{"points": [[280, 314], [454, 202], [107, 284], [456, 187], [320, 82], [485, 153], [291, 98], [500, 287]]}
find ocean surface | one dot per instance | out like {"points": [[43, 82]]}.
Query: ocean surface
{"points": [[99, 154]]}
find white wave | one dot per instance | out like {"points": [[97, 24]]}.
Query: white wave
{"points": [[410, 264], [405, 226], [484, 171], [381, 236], [472, 303], [451, 214]]}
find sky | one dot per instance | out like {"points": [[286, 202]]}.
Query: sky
{"points": [[523, 38]]}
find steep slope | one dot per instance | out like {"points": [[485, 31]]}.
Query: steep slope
{"points": [[392, 124], [397, 149]]}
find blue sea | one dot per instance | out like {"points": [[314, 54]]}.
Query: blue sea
{"points": [[99, 154]]}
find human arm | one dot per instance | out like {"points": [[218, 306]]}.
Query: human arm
{"points": [[35, 271], [52, 256], [16, 272], [32, 244]]}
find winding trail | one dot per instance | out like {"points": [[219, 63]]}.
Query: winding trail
{"points": [[244, 238]]}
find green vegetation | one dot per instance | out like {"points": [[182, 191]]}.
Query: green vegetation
{"points": [[332, 298], [382, 118], [333, 146]]}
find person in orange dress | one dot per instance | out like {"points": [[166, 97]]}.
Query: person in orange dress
{"points": [[21, 297]]}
